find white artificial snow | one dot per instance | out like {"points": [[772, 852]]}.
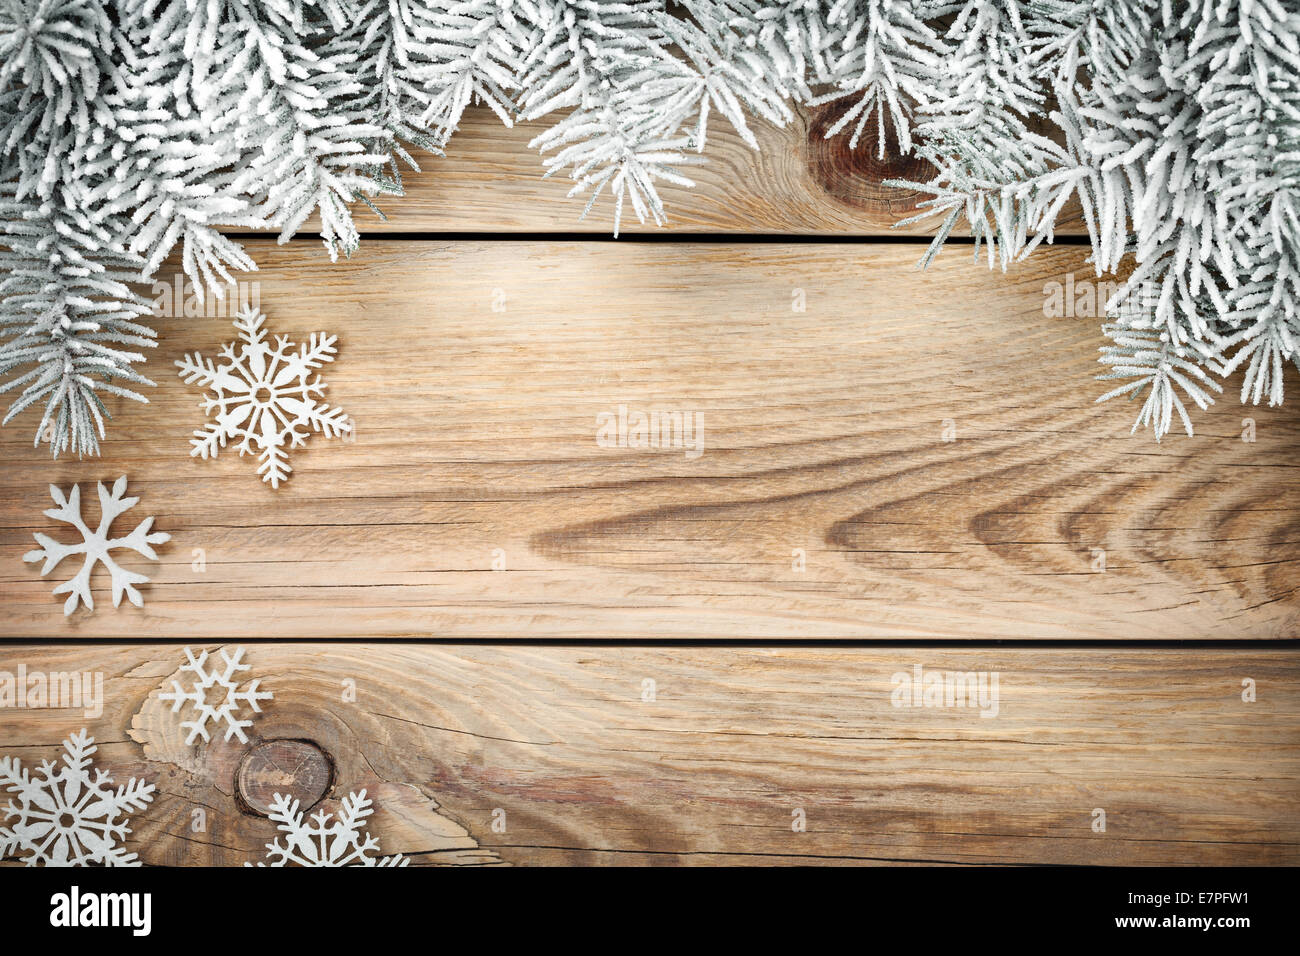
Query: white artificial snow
{"points": [[96, 546], [264, 397], [224, 708], [68, 815], [326, 840]]}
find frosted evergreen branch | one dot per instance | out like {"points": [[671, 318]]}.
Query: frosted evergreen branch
{"points": [[135, 132]]}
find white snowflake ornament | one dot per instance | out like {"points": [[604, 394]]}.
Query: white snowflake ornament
{"points": [[226, 708], [263, 397], [321, 842], [65, 815], [96, 546]]}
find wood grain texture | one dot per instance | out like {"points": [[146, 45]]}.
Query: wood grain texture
{"points": [[562, 744], [823, 434], [798, 182]]}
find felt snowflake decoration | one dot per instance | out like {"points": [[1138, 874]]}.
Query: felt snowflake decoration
{"points": [[96, 546], [264, 397], [225, 708], [67, 815], [321, 842]]}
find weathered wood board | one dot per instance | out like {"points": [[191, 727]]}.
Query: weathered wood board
{"points": [[798, 182], [615, 754], [882, 453]]}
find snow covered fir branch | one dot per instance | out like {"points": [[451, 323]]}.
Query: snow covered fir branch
{"points": [[134, 130]]}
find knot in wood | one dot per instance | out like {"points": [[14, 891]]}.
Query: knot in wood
{"points": [[295, 768], [856, 176]]}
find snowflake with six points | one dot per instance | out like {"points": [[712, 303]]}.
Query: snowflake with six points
{"points": [[96, 546], [263, 397], [342, 842], [227, 708], [66, 816]]}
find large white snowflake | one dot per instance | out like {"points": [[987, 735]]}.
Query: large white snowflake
{"points": [[264, 397], [221, 708], [96, 546], [342, 842], [66, 815]]}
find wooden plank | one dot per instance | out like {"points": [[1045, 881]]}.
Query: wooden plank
{"points": [[826, 502], [567, 748], [797, 183]]}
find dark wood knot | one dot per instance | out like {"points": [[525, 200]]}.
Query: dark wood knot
{"points": [[295, 768], [856, 176]]}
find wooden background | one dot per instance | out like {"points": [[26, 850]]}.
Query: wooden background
{"points": [[914, 460]]}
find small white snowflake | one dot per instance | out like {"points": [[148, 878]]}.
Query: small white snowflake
{"points": [[227, 708], [322, 843], [66, 816], [96, 546], [264, 397]]}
